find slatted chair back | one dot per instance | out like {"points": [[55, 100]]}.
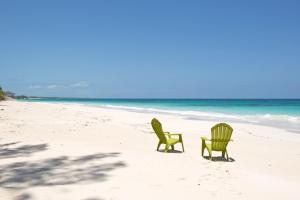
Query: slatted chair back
{"points": [[220, 136], [157, 127]]}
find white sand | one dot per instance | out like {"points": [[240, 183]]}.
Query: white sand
{"points": [[57, 152]]}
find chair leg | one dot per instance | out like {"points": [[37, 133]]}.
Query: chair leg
{"points": [[158, 146], [226, 155], [210, 155], [223, 154], [167, 148], [182, 146], [203, 148]]}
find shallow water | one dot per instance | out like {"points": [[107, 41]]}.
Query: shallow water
{"points": [[283, 113], [229, 106]]}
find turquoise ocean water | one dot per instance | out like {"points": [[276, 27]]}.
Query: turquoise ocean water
{"points": [[290, 107], [280, 113]]}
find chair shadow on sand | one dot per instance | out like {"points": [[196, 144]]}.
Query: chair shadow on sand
{"points": [[219, 159], [170, 151]]}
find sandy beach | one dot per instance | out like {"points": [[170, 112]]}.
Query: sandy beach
{"points": [[68, 151]]}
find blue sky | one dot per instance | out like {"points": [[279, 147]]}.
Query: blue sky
{"points": [[151, 49]]}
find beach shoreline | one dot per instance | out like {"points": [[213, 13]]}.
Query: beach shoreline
{"points": [[73, 151], [291, 123]]}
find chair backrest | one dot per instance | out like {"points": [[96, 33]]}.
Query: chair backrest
{"points": [[157, 127], [220, 136]]}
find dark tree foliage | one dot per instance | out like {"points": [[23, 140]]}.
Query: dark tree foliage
{"points": [[9, 94], [2, 96]]}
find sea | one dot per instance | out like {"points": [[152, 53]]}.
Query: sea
{"points": [[281, 113]]}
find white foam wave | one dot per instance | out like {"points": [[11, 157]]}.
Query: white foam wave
{"points": [[290, 123], [201, 115]]}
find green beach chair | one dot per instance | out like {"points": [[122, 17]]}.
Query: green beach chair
{"points": [[165, 137], [220, 137]]}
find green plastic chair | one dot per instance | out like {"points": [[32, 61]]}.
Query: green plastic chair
{"points": [[220, 137], [165, 137]]}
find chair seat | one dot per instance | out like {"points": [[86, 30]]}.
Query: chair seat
{"points": [[172, 140], [208, 145]]}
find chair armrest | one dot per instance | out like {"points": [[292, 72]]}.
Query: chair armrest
{"points": [[174, 134], [205, 138], [167, 134]]}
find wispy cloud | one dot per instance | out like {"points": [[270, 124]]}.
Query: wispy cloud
{"points": [[51, 86], [33, 87], [81, 84]]}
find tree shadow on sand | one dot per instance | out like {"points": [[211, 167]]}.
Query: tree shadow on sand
{"points": [[24, 196], [28, 196], [61, 170], [8, 150]]}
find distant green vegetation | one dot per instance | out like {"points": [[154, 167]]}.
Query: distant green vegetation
{"points": [[8, 95], [2, 95]]}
